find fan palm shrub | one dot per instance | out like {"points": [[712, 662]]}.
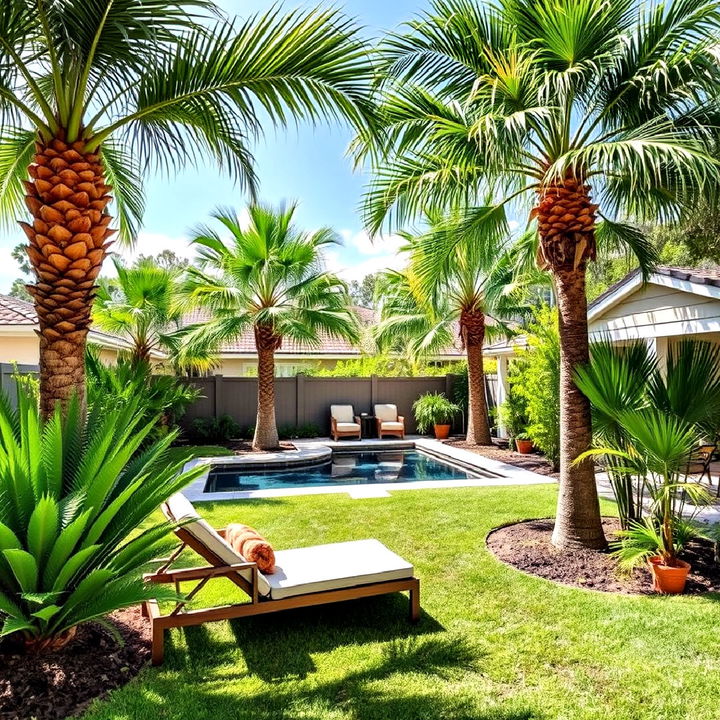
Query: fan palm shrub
{"points": [[578, 113], [466, 298], [268, 277], [93, 93], [622, 381], [73, 493], [142, 305]]}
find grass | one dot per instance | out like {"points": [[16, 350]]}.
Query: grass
{"points": [[492, 643]]}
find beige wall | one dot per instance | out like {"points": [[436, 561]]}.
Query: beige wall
{"points": [[284, 367], [24, 350]]}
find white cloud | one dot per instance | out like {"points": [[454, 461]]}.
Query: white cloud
{"points": [[357, 271], [149, 244], [365, 245], [9, 269]]}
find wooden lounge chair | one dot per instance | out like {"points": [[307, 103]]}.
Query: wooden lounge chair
{"points": [[389, 422], [303, 577], [344, 422]]}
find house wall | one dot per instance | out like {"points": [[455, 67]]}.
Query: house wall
{"points": [[656, 311], [24, 349], [284, 367]]}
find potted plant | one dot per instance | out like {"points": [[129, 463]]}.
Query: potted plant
{"points": [[659, 445], [523, 443], [436, 411]]}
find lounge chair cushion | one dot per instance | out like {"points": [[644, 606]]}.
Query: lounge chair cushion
{"points": [[335, 566], [392, 425], [386, 413], [180, 509], [342, 413], [347, 427]]}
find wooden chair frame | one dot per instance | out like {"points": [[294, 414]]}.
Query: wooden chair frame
{"points": [[394, 433], [180, 616], [345, 433]]}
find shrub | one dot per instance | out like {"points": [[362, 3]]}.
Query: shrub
{"points": [[73, 492], [163, 398], [297, 432], [385, 366], [433, 409], [215, 430]]}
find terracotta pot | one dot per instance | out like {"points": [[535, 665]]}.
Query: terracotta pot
{"points": [[442, 432], [524, 447], [666, 578]]}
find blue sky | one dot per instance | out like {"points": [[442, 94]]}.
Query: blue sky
{"points": [[306, 164]]}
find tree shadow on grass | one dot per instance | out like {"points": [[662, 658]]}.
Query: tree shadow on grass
{"points": [[300, 633], [414, 677]]}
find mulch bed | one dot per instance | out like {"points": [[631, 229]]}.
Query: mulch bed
{"points": [[242, 447], [527, 547], [62, 684], [533, 462]]}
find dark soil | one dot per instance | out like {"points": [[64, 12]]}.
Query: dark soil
{"points": [[527, 547], [62, 684], [533, 462], [241, 447]]}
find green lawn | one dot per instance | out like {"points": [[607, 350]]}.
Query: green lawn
{"points": [[492, 642]]}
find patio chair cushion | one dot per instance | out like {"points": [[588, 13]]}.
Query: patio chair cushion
{"points": [[342, 413], [386, 413], [347, 427], [179, 509], [335, 566], [392, 425]]}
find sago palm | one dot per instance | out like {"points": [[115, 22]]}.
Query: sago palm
{"points": [[94, 93], [73, 492], [141, 305], [587, 111], [268, 277], [466, 299]]}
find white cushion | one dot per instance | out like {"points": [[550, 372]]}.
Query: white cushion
{"points": [[347, 427], [342, 413], [335, 566], [392, 425], [386, 412], [180, 509]]}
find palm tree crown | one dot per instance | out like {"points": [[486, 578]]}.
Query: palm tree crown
{"points": [[92, 93], [268, 276], [590, 112]]}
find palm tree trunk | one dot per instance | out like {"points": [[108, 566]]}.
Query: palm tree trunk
{"points": [[566, 219], [67, 197], [266, 342], [472, 331]]}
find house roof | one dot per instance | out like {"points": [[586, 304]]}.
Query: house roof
{"points": [[16, 312], [329, 346]]}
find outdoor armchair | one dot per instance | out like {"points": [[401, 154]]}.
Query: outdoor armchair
{"points": [[388, 421]]}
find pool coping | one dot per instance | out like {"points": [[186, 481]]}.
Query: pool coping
{"points": [[311, 452]]}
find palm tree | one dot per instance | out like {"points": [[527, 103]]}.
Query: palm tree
{"points": [[466, 297], [142, 305], [93, 93], [539, 103], [268, 277]]}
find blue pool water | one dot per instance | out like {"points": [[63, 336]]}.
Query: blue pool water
{"points": [[355, 468]]}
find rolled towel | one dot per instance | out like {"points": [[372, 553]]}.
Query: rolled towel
{"points": [[252, 546]]}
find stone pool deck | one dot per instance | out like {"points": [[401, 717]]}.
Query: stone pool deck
{"points": [[314, 452]]}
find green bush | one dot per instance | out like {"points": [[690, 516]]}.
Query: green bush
{"points": [[385, 366], [533, 405], [73, 492], [433, 409], [162, 398], [215, 430], [298, 432]]}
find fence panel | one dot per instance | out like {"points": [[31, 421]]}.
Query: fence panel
{"points": [[7, 381]]}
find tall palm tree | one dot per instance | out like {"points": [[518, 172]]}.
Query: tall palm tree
{"points": [[268, 277], [541, 103], [142, 305], [93, 93], [466, 297]]}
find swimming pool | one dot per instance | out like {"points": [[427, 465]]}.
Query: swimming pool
{"points": [[345, 468]]}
